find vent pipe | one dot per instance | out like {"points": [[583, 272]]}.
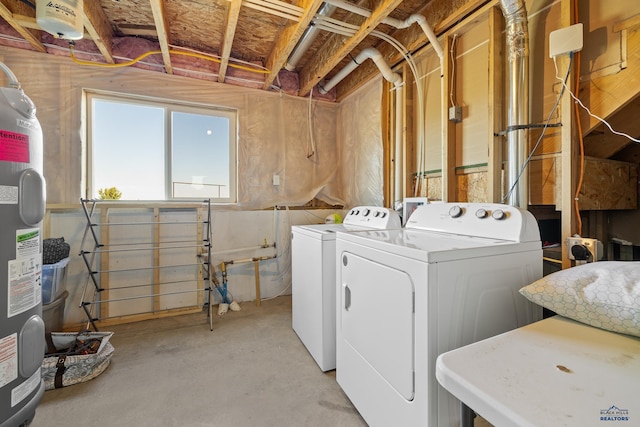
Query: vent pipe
{"points": [[515, 14], [308, 37], [368, 53]]}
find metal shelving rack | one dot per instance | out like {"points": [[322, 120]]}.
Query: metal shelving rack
{"points": [[93, 292]]}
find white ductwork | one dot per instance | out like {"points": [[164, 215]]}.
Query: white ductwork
{"points": [[515, 14], [307, 38]]}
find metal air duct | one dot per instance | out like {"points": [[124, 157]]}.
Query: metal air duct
{"points": [[515, 14]]}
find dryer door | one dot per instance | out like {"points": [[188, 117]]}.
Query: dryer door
{"points": [[377, 319]]}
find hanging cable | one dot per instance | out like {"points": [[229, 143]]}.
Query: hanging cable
{"points": [[576, 198], [311, 145], [453, 68]]}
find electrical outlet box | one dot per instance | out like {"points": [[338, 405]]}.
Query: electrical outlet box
{"points": [[565, 40], [585, 250], [276, 179], [455, 113]]}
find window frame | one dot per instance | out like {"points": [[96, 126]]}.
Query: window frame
{"points": [[169, 107]]}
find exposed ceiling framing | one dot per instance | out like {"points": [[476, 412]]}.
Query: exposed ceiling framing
{"points": [[254, 33]]}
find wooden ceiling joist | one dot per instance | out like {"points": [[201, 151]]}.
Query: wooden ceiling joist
{"points": [[6, 7], [287, 40], [99, 28], [160, 19], [336, 47], [233, 13]]}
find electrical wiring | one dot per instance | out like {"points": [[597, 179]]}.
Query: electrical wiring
{"points": [[158, 52], [453, 68], [311, 146], [576, 197], [600, 119], [544, 129], [239, 61]]}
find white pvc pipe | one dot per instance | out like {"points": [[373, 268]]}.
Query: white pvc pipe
{"points": [[362, 12], [368, 53], [399, 158], [13, 80]]}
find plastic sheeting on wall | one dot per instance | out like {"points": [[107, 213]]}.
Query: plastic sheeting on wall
{"points": [[273, 129], [360, 146]]}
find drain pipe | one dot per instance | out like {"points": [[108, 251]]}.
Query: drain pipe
{"points": [[308, 37], [515, 14], [396, 79]]}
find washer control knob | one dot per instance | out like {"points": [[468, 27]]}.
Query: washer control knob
{"points": [[481, 213], [383, 214], [366, 212], [498, 214], [376, 214], [455, 211]]}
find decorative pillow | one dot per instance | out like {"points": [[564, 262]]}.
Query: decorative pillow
{"points": [[602, 294]]}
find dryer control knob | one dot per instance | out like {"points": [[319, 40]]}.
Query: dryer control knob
{"points": [[455, 211], [498, 214], [366, 212], [376, 214], [383, 214], [481, 213]]}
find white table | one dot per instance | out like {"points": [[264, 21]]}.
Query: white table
{"points": [[555, 372]]}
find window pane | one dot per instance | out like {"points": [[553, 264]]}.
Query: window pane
{"points": [[128, 149], [200, 156]]}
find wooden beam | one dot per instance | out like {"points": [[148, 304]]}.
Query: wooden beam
{"points": [[412, 38], [602, 143], [337, 47], [99, 28], [160, 19], [569, 151], [288, 39], [233, 13], [496, 104], [7, 14]]}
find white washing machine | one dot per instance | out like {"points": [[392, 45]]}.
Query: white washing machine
{"points": [[449, 278], [313, 266]]}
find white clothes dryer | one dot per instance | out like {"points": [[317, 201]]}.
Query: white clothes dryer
{"points": [[313, 264], [449, 278]]}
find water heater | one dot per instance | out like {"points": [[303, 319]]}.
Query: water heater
{"points": [[22, 207]]}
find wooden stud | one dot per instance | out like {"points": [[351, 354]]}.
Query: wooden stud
{"points": [[160, 18], [24, 32], [256, 266], [99, 28], [233, 13]]}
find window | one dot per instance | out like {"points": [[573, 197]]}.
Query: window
{"points": [[154, 150]]}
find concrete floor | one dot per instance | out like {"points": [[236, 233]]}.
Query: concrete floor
{"points": [[252, 370]]}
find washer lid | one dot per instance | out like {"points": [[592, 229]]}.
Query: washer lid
{"points": [[318, 231]]}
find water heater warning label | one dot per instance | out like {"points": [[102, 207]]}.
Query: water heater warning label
{"points": [[14, 147]]}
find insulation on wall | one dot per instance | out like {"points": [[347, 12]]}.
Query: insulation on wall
{"points": [[274, 129], [360, 146]]}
